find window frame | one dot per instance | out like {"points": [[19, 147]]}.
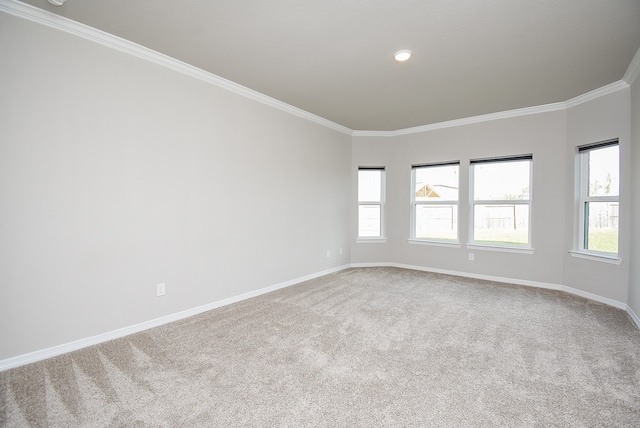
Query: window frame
{"points": [[381, 203], [582, 198], [415, 203], [497, 202]]}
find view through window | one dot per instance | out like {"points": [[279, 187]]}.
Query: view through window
{"points": [[370, 202], [599, 197], [501, 201], [434, 207]]}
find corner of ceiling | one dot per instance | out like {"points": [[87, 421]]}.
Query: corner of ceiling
{"points": [[50, 19], [634, 69], [22, 10]]}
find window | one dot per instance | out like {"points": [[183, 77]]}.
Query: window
{"points": [[434, 201], [599, 185], [371, 184], [500, 195]]}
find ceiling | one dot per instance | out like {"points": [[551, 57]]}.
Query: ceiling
{"points": [[333, 58]]}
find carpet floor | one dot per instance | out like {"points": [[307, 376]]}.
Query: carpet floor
{"points": [[361, 347]]}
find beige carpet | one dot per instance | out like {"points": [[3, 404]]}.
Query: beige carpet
{"points": [[362, 347]]}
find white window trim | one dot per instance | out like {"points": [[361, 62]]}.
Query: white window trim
{"points": [[371, 240], [435, 243], [596, 257], [582, 187], [528, 248], [383, 196], [501, 248], [412, 220]]}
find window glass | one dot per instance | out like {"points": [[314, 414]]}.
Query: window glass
{"points": [[369, 221], [603, 171], [436, 183], [501, 224], [602, 226], [599, 189], [435, 202], [371, 202], [501, 201], [369, 185], [502, 180], [436, 222]]}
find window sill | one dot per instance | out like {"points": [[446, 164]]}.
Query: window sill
{"points": [[516, 250], [615, 260], [371, 241], [434, 243]]}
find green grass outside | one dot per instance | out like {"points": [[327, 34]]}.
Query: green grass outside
{"points": [[501, 236], [437, 234], [488, 236], [605, 240]]}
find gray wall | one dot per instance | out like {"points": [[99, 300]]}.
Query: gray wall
{"points": [[602, 119], [552, 138], [542, 134], [634, 274], [117, 174]]}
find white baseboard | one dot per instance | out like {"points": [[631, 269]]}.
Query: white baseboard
{"points": [[525, 282], [43, 354], [595, 297], [634, 317]]}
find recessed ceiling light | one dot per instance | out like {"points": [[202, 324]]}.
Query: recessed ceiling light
{"points": [[57, 2], [402, 55]]}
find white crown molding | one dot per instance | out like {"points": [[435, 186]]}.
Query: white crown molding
{"points": [[629, 77], [464, 121], [17, 8], [31, 13], [589, 96], [597, 93], [634, 69], [43, 354]]}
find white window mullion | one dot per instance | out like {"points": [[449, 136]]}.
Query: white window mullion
{"points": [[583, 191]]}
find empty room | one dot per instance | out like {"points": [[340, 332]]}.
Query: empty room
{"points": [[335, 213]]}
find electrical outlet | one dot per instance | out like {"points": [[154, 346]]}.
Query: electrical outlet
{"points": [[160, 289], [471, 257], [328, 253], [340, 251]]}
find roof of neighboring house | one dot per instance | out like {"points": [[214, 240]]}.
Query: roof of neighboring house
{"points": [[437, 191]]}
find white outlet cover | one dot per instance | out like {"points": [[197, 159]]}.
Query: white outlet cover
{"points": [[160, 289]]}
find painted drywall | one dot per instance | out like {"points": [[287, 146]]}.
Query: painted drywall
{"points": [[117, 174], [552, 138], [601, 119], [634, 264], [541, 134], [378, 154]]}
